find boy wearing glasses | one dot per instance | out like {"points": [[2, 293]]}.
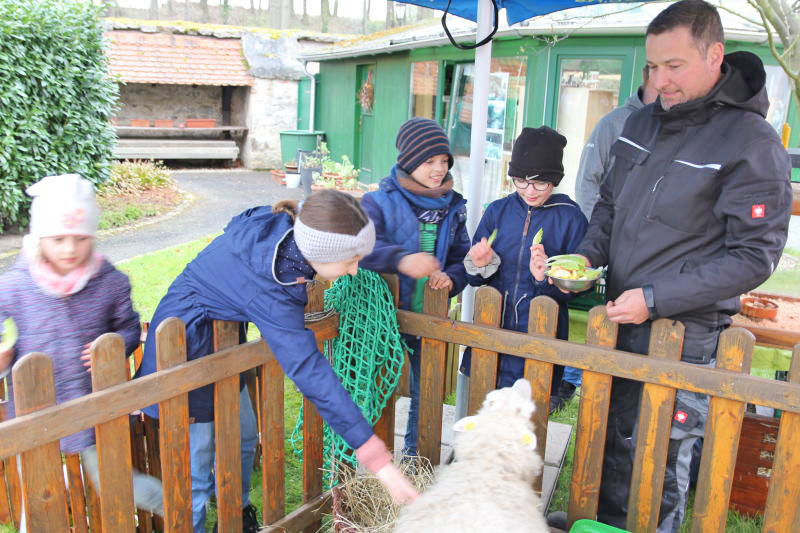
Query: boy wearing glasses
{"points": [[515, 266]]}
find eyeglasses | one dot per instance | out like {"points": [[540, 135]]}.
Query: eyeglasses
{"points": [[522, 183]]}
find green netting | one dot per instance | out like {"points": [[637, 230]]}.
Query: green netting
{"points": [[367, 356]]}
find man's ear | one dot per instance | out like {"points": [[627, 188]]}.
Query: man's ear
{"points": [[715, 55], [468, 423]]}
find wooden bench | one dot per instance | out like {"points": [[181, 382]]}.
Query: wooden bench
{"points": [[175, 149]]}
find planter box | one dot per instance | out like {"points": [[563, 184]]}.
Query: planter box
{"points": [[201, 122], [163, 123], [140, 123]]}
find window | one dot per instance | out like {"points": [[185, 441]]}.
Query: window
{"points": [[424, 87]]}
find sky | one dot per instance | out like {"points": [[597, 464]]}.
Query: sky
{"points": [[353, 7]]}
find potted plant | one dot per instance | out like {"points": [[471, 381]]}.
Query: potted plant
{"points": [[290, 166]]}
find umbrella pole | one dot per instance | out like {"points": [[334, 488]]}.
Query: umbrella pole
{"points": [[477, 156]]}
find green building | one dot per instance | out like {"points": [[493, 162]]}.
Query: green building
{"points": [[564, 70]]}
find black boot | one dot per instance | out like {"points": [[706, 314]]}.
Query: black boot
{"points": [[249, 520], [566, 391]]}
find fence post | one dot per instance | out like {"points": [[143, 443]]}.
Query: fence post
{"points": [[431, 380], [272, 448], [542, 321], [590, 436], [174, 432], [228, 437], [782, 512], [43, 490], [384, 428], [483, 365], [652, 436], [723, 426], [109, 368], [312, 421]]}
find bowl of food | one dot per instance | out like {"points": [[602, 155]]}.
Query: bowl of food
{"points": [[570, 273]]}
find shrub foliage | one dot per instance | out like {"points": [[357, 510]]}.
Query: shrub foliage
{"points": [[56, 98]]}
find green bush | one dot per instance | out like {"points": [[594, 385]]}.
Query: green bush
{"points": [[136, 176], [56, 98]]}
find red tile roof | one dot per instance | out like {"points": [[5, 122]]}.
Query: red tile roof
{"points": [[139, 57]]}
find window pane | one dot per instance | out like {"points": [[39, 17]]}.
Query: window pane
{"points": [[424, 85], [589, 89]]}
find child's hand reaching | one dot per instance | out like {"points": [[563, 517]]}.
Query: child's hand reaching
{"points": [[440, 280], [481, 253], [418, 265], [86, 356], [398, 485], [538, 263]]}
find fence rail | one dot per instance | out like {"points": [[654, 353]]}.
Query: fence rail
{"points": [[34, 434]]}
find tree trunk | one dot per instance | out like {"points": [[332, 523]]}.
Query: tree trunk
{"points": [[364, 17], [389, 14], [326, 15], [187, 15], [304, 20], [171, 8], [335, 8], [226, 9], [252, 6], [153, 14], [204, 8]]}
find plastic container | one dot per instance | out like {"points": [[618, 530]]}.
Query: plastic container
{"points": [[292, 180], [294, 140], [590, 526]]}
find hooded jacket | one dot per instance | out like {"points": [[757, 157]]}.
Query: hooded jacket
{"points": [[697, 204], [250, 274], [596, 156], [61, 327], [397, 232], [563, 226]]}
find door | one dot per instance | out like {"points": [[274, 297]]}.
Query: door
{"points": [[365, 121]]}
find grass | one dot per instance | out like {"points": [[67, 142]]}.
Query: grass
{"points": [[785, 280]]}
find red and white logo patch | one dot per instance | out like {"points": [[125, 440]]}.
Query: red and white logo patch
{"points": [[758, 211], [681, 417]]}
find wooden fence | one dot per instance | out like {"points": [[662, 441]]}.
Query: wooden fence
{"points": [[34, 434]]}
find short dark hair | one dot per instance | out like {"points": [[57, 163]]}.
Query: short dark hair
{"points": [[699, 16]]}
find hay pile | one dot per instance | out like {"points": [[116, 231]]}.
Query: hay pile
{"points": [[362, 505]]}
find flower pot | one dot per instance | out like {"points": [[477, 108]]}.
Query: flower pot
{"points": [[292, 180], [140, 123], [201, 122], [277, 176], [759, 308], [159, 123]]}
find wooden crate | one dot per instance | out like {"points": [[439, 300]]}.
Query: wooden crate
{"points": [[754, 463]]}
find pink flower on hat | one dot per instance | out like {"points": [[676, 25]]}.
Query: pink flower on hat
{"points": [[74, 218]]}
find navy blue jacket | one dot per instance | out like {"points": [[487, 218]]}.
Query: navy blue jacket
{"points": [[248, 274], [563, 226], [397, 232]]}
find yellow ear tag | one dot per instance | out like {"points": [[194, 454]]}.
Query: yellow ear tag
{"points": [[469, 426], [527, 439]]}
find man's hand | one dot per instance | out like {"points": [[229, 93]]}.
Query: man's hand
{"points": [[538, 262], [418, 265], [481, 253], [440, 280], [628, 308]]}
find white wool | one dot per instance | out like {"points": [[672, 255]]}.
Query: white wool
{"points": [[489, 487]]}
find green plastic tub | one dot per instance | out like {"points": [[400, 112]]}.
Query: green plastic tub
{"points": [[590, 526]]}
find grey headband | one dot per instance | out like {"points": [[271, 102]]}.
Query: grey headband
{"points": [[328, 247]]}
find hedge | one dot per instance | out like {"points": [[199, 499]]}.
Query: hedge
{"points": [[56, 98]]}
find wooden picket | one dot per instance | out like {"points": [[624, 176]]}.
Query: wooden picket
{"points": [[35, 436]]}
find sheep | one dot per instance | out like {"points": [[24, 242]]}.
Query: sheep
{"points": [[490, 485]]}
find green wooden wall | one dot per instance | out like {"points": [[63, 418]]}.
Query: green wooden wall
{"points": [[336, 112]]}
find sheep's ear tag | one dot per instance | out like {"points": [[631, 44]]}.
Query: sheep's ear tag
{"points": [[529, 440], [468, 423]]}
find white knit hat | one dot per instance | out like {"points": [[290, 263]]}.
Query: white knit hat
{"points": [[63, 205]]}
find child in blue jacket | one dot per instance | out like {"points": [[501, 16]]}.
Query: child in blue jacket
{"points": [[516, 267], [420, 231], [256, 272]]}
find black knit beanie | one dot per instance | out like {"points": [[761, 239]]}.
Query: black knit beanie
{"points": [[537, 153], [418, 140]]}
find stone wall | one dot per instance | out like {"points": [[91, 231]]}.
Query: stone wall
{"points": [[175, 102], [272, 108]]}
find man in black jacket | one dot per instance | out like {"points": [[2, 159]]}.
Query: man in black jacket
{"points": [[694, 212]]}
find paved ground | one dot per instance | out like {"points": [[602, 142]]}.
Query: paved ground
{"points": [[217, 196]]}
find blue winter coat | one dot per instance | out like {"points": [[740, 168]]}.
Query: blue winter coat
{"points": [[397, 232], [563, 226], [249, 274]]}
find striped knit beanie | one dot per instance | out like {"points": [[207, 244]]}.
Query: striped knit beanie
{"points": [[418, 140]]}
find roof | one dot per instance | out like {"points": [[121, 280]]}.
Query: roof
{"points": [[602, 19], [138, 57]]}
